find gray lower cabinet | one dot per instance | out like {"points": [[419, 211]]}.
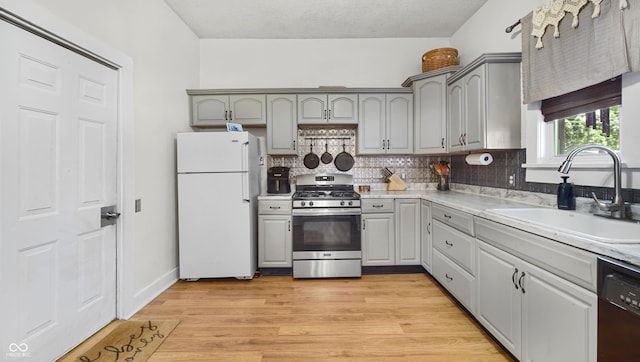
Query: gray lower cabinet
{"points": [[274, 234], [535, 314], [378, 232], [218, 110], [407, 214], [453, 259], [391, 232], [426, 242], [282, 125]]}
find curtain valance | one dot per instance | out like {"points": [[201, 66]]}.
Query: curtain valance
{"points": [[596, 49]]}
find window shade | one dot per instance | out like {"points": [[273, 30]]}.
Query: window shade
{"points": [[599, 96]]}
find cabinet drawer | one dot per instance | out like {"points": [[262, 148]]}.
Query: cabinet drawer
{"points": [[456, 245], [457, 219], [274, 207], [376, 205], [457, 281], [573, 264]]}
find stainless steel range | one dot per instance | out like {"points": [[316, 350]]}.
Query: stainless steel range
{"points": [[326, 227]]}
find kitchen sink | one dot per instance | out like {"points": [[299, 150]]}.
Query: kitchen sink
{"points": [[589, 226]]}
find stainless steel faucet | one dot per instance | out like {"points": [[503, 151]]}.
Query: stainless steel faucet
{"points": [[617, 207]]}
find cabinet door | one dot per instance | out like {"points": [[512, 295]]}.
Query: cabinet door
{"points": [[425, 234], [474, 109], [312, 109], [499, 296], [407, 231], [248, 109], [430, 118], [371, 128], [343, 108], [274, 241], [399, 123], [378, 239], [558, 318], [281, 124], [209, 110], [455, 113]]}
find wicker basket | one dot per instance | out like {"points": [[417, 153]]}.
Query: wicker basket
{"points": [[439, 58]]}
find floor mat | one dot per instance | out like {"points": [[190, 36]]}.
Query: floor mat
{"points": [[128, 341]]}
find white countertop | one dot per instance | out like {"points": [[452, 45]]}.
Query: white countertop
{"points": [[476, 205]]}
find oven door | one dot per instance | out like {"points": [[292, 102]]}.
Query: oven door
{"points": [[326, 230]]}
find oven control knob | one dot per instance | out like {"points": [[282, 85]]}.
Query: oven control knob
{"points": [[302, 203], [341, 203], [310, 203], [350, 203]]}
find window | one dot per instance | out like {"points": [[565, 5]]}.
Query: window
{"points": [[546, 147], [600, 127], [588, 115]]}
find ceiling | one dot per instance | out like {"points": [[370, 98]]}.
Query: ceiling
{"points": [[324, 19]]}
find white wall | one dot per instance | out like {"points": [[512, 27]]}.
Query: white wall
{"points": [[165, 56], [485, 32], [309, 63]]}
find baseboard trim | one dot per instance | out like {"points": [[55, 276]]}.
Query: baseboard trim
{"points": [[151, 291]]}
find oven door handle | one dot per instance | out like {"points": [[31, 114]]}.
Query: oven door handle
{"points": [[325, 212]]}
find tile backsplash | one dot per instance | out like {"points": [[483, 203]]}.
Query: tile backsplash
{"points": [[366, 169], [415, 169]]}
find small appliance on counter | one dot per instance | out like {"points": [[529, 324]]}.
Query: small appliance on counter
{"points": [[278, 180], [566, 199]]}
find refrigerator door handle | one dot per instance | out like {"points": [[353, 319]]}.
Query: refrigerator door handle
{"points": [[245, 187], [244, 154]]}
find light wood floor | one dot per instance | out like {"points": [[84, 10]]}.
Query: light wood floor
{"points": [[403, 317]]}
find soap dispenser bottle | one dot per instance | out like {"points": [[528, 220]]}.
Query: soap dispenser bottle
{"points": [[566, 200]]}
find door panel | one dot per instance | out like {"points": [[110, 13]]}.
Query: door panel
{"points": [[58, 152]]}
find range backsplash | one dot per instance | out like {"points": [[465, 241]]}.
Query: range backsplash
{"points": [[415, 169], [366, 169]]}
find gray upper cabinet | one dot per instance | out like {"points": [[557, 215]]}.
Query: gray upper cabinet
{"points": [[282, 127], [484, 104], [217, 110], [385, 124], [322, 109], [430, 116]]}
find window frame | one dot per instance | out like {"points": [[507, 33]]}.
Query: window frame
{"points": [[588, 170]]}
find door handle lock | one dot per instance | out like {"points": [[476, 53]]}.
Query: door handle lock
{"points": [[108, 215]]}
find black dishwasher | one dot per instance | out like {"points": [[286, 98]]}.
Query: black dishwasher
{"points": [[618, 311]]}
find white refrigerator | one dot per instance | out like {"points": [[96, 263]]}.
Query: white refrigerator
{"points": [[218, 186]]}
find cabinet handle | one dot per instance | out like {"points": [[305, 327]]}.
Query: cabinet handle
{"points": [[520, 282], [383, 144], [225, 116], [231, 115], [429, 228], [388, 144], [329, 116], [447, 216], [274, 207], [294, 144], [325, 114], [446, 275], [442, 142], [377, 206], [289, 225], [449, 244], [513, 278], [464, 138], [364, 224], [460, 140]]}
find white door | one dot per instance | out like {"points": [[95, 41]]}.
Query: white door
{"points": [[58, 115]]}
